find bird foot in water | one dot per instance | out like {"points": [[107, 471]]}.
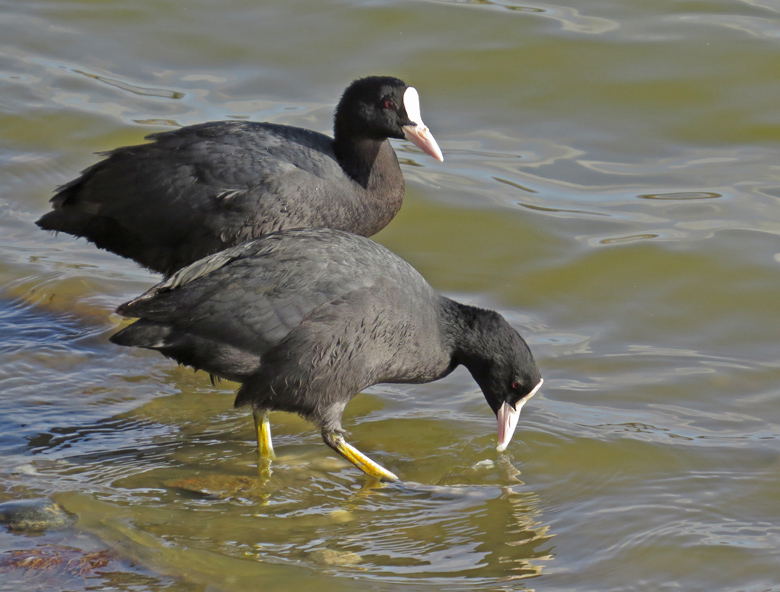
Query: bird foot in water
{"points": [[357, 458], [265, 446]]}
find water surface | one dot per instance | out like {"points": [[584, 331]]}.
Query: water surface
{"points": [[610, 184]]}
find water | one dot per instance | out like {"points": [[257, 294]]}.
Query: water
{"points": [[610, 184]]}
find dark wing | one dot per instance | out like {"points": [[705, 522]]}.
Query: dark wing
{"points": [[196, 190], [252, 296]]}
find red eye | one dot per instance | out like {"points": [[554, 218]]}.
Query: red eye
{"points": [[516, 385], [389, 104]]}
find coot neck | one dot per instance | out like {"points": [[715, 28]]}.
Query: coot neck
{"points": [[469, 334], [361, 156]]}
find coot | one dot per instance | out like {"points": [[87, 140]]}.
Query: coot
{"points": [[305, 319], [200, 189]]}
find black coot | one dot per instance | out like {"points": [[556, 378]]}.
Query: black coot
{"points": [[305, 319], [203, 188]]}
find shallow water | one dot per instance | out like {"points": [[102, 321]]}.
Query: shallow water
{"points": [[610, 184]]}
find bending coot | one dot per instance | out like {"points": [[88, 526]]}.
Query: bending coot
{"points": [[200, 189], [305, 319]]}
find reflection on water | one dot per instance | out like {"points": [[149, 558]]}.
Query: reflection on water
{"points": [[681, 196], [125, 86], [570, 19]]}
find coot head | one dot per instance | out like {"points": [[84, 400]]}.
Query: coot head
{"points": [[380, 107], [508, 376]]}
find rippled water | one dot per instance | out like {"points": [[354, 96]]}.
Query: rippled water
{"points": [[610, 183]]}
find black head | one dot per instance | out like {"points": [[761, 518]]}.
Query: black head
{"points": [[504, 368], [506, 371], [381, 107], [373, 107]]}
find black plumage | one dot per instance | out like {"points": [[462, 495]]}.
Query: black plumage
{"points": [[200, 189], [305, 319]]}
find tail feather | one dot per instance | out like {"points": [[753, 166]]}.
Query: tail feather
{"points": [[71, 221], [219, 359]]}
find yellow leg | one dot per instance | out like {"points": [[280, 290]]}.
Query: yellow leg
{"points": [[357, 458], [265, 446]]}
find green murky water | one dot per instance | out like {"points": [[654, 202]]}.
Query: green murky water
{"points": [[610, 183]]}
